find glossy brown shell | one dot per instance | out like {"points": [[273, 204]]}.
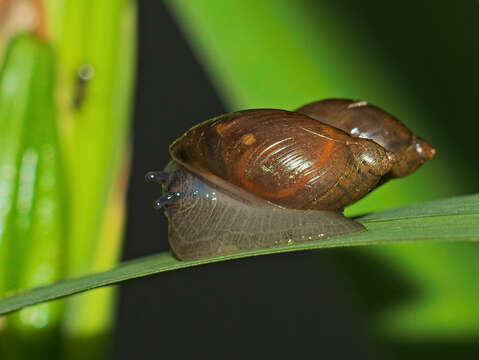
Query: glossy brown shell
{"points": [[360, 119], [285, 158]]}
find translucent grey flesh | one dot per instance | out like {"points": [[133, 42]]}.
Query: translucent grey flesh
{"points": [[208, 221]]}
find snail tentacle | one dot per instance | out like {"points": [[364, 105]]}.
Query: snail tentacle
{"points": [[166, 199], [157, 176]]}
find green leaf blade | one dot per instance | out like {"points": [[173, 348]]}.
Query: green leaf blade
{"points": [[459, 205], [439, 220]]}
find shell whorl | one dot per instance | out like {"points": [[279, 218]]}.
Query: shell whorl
{"points": [[285, 158]]}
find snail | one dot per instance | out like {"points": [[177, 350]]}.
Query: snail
{"points": [[261, 178]]}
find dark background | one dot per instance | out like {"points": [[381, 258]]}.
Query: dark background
{"points": [[274, 306]]}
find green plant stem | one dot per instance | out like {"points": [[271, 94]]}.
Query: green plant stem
{"points": [[94, 118]]}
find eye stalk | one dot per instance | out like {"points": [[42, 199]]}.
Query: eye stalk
{"points": [[166, 200], [157, 177]]}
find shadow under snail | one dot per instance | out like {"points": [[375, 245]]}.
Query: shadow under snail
{"points": [[261, 178]]}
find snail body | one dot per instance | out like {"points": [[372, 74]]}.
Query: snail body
{"points": [[265, 177], [206, 220]]}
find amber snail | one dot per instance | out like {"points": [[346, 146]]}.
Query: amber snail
{"points": [[260, 178]]}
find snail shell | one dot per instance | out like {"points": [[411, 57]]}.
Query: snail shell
{"points": [[259, 178], [363, 120]]}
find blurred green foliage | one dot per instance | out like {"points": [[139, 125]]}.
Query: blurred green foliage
{"points": [[32, 200], [66, 89], [95, 46]]}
